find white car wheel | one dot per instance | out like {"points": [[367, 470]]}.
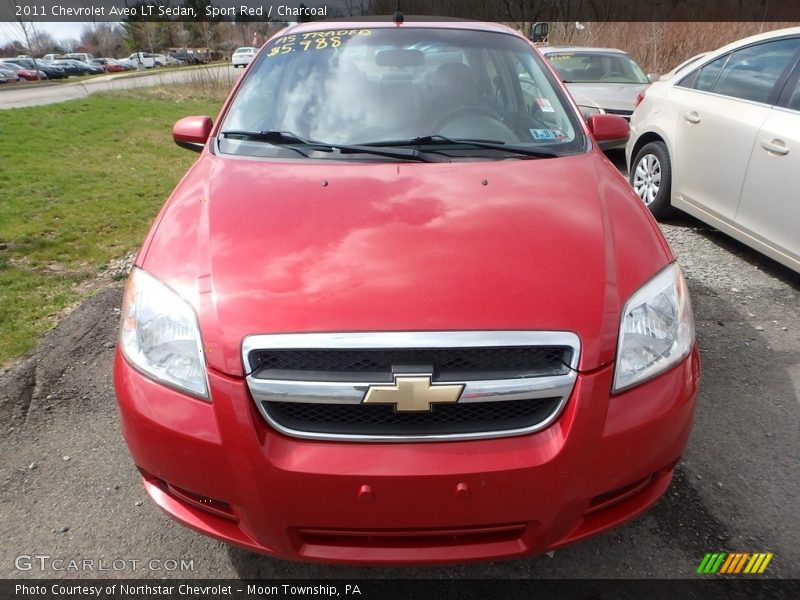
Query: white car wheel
{"points": [[651, 178]]}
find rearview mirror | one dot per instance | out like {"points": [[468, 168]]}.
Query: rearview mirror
{"points": [[609, 130], [192, 132], [399, 58]]}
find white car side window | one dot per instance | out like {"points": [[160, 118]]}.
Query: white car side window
{"points": [[751, 73], [794, 101]]}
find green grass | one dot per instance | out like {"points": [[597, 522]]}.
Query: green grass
{"points": [[80, 184]]}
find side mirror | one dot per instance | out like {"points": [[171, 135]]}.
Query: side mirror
{"points": [[609, 130], [540, 32], [192, 132]]}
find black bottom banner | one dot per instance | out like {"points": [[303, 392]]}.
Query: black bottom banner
{"points": [[387, 589]]}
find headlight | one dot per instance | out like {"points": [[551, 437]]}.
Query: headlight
{"points": [[160, 337], [588, 111], [657, 329]]}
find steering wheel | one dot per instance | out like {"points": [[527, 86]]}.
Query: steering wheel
{"points": [[464, 111]]}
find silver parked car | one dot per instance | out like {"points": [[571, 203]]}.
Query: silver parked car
{"points": [[721, 141], [602, 80], [8, 75]]}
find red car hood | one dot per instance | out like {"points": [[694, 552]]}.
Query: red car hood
{"points": [[265, 247]]}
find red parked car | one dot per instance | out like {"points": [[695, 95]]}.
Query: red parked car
{"points": [[109, 65], [25, 73], [403, 310]]}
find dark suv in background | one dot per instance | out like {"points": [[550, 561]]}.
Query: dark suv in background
{"points": [[191, 58]]}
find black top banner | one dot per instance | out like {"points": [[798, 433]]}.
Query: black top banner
{"points": [[500, 10]]}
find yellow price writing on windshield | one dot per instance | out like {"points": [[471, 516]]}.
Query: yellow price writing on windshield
{"points": [[316, 40]]}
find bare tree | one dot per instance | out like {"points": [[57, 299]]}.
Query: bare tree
{"points": [[150, 34], [28, 31], [356, 8], [43, 43], [102, 39], [204, 32], [183, 35], [226, 37], [11, 49], [70, 44]]}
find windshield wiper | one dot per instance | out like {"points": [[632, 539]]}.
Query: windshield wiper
{"points": [[476, 143], [289, 139], [276, 138], [279, 138]]}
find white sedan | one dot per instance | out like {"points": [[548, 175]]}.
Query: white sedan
{"points": [[720, 140], [145, 59], [243, 56]]}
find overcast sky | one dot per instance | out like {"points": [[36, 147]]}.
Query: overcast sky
{"points": [[60, 31]]}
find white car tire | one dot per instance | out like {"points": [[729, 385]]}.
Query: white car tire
{"points": [[651, 178]]}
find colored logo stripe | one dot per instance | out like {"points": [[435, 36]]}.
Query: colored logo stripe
{"points": [[735, 562], [758, 563], [711, 563]]}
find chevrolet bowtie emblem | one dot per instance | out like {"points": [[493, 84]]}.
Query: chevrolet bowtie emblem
{"points": [[413, 393]]}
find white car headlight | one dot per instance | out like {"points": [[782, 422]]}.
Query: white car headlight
{"points": [[657, 329], [588, 111], [160, 337]]}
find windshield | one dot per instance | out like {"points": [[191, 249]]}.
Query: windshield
{"points": [[390, 85], [585, 67], [23, 62]]}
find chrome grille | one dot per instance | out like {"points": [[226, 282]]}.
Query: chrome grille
{"points": [[313, 385], [446, 364]]}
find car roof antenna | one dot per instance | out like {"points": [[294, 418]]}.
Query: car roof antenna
{"points": [[398, 16]]}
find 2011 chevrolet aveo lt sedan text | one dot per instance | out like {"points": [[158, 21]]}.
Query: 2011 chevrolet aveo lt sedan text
{"points": [[403, 310]]}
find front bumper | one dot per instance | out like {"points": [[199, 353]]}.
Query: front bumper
{"points": [[221, 470]]}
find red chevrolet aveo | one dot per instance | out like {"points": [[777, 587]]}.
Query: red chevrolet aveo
{"points": [[403, 310]]}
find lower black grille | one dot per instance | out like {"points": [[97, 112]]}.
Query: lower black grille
{"points": [[442, 419]]}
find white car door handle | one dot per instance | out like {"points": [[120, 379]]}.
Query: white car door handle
{"points": [[692, 117], [775, 146]]}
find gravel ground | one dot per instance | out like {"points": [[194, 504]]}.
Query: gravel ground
{"points": [[68, 488]]}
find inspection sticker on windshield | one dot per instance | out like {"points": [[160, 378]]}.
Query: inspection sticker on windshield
{"points": [[544, 104], [543, 134]]}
